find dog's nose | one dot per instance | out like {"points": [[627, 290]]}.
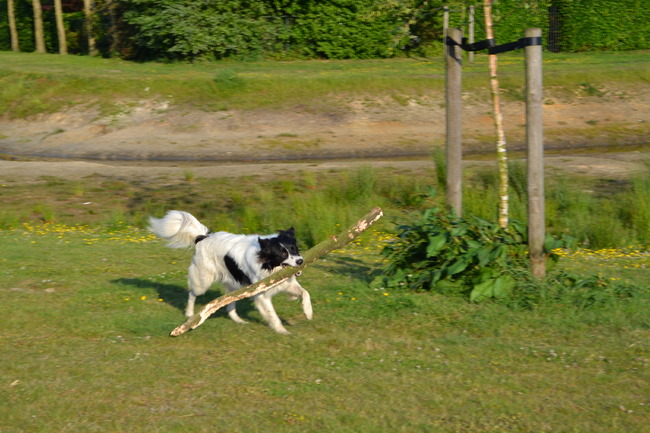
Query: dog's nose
{"points": [[299, 262]]}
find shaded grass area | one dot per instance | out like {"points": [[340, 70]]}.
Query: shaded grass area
{"points": [[86, 313], [32, 84]]}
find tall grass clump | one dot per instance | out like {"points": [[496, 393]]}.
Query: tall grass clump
{"points": [[598, 213], [440, 164], [481, 193], [315, 204], [601, 216], [637, 209]]}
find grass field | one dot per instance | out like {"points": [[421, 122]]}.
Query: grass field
{"points": [[32, 84], [88, 296], [86, 315], [86, 312]]}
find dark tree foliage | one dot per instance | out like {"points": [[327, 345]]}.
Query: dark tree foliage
{"points": [[341, 29], [190, 30]]}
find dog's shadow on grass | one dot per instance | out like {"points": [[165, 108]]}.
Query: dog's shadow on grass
{"points": [[176, 296], [350, 267]]}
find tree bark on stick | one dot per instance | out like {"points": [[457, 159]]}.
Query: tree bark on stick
{"points": [[268, 283], [502, 156]]}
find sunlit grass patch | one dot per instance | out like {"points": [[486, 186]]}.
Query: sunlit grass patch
{"points": [[616, 264], [437, 363], [84, 233]]}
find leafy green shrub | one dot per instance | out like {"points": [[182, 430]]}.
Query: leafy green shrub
{"points": [[442, 252]]}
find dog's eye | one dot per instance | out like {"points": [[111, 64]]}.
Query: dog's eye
{"points": [[285, 253]]}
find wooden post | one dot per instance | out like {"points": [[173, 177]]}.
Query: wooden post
{"points": [[334, 242], [470, 36], [535, 156], [454, 133]]}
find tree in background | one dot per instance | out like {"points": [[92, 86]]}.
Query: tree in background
{"points": [[39, 36], [60, 27], [89, 15], [188, 30], [13, 32]]}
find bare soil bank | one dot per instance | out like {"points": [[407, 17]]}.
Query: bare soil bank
{"points": [[82, 141]]}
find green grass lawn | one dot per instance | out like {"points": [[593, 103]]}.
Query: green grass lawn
{"points": [[32, 84], [86, 314], [85, 311]]}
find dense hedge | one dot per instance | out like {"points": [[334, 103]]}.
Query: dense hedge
{"points": [[511, 17], [593, 25], [333, 29]]}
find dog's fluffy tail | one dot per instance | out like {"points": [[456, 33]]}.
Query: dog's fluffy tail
{"points": [[180, 228]]}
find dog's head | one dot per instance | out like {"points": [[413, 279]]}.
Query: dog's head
{"points": [[280, 250]]}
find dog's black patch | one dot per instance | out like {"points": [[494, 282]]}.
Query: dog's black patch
{"points": [[199, 238], [274, 251], [236, 271]]}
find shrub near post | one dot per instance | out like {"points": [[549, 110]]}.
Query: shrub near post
{"points": [[535, 155]]}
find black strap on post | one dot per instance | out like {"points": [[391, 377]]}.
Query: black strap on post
{"points": [[517, 45], [493, 48], [486, 44]]}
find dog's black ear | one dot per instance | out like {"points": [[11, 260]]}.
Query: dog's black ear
{"points": [[291, 232], [263, 242]]}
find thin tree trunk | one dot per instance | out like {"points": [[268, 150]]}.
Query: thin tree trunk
{"points": [[502, 157], [13, 31], [89, 12], [60, 28], [268, 283], [38, 26]]}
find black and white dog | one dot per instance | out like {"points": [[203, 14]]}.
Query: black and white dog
{"points": [[236, 261]]}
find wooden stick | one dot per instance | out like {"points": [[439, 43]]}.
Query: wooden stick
{"points": [[268, 283]]}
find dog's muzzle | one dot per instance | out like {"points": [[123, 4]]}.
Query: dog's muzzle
{"points": [[298, 263]]}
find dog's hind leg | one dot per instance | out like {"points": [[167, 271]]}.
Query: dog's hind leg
{"points": [[232, 313], [189, 309], [231, 308], [198, 283], [265, 307]]}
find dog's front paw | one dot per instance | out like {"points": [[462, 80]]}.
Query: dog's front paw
{"points": [[309, 314]]}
